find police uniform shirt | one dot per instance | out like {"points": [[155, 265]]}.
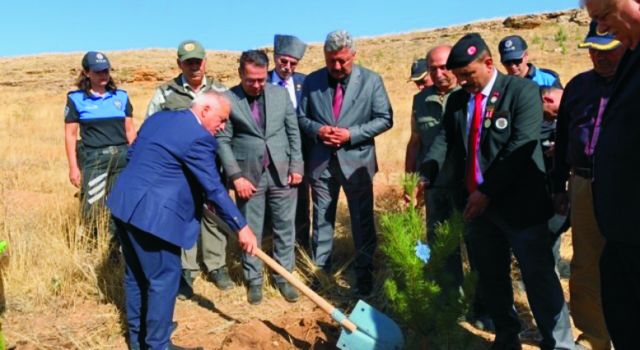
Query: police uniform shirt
{"points": [[543, 77], [289, 85], [101, 117]]}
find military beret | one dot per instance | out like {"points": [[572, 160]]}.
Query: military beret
{"points": [[466, 50], [288, 45]]}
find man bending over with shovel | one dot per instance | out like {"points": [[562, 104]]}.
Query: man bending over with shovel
{"points": [[157, 204]]}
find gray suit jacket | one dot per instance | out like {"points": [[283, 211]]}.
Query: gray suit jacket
{"points": [[242, 143], [366, 112]]}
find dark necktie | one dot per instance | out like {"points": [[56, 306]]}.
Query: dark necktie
{"points": [[337, 101], [473, 143], [256, 113], [282, 83]]}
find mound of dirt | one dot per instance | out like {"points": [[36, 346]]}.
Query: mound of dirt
{"points": [[312, 330]]}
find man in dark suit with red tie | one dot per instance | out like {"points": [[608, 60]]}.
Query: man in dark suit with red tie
{"points": [[490, 131]]}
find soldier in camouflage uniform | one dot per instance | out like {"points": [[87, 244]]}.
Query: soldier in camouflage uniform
{"points": [[174, 95]]}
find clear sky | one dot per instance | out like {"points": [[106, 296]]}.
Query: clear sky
{"points": [[36, 26]]}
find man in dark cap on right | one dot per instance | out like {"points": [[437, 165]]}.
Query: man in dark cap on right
{"points": [[490, 131], [579, 120]]}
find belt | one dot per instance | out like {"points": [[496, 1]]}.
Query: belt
{"points": [[587, 173], [106, 150]]}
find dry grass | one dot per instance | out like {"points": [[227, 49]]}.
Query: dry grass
{"points": [[57, 275]]}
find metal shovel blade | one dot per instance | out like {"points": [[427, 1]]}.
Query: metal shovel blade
{"points": [[375, 331]]}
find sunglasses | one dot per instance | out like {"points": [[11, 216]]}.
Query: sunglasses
{"points": [[516, 62], [283, 61]]}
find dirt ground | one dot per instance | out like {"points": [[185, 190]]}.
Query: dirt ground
{"points": [[222, 320]]}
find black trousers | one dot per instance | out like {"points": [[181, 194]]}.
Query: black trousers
{"points": [[620, 284]]}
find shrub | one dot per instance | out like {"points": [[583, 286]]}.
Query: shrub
{"points": [[417, 275]]}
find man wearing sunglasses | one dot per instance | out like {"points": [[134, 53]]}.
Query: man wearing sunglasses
{"points": [[515, 60], [288, 50]]}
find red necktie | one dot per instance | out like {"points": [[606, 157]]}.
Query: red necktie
{"points": [[337, 101], [474, 141]]}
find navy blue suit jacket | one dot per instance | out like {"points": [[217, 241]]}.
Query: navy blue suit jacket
{"points": [[171, 165]]}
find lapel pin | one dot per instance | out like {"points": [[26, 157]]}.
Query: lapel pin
{"points": [[501, 123]]}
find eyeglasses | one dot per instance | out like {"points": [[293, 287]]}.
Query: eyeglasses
{"points": [[513, 62], [284, 61]]}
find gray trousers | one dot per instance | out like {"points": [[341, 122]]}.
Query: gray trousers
{"points": [[211, 247], [280, 201], [359, 192]]}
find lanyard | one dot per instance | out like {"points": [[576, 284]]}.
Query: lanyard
{"points": [[591, 143]]}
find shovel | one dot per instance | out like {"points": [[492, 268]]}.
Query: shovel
{"points": [[366, 328]]}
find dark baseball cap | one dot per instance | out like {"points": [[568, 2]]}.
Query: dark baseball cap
{"points": [[597, 40], [468, 49], [191, 49], [95, 61], [419, 69], [511, 48]]}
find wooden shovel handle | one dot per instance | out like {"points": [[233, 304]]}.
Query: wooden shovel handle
{"points": [[318, 300]]}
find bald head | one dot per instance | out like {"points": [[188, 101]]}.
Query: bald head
{"points": [[442, 78], [438, 51], [212, 109], [551, 97]]}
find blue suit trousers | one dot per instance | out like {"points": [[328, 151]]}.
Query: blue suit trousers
{"points": [[151, 282]]}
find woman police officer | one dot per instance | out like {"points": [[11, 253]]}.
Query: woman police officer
{"points": [[103, 114]]}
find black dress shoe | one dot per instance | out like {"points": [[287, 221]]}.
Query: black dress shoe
{"points": [[364, 287], [254, 294], [220, 277], [185, 291], [506, 342], [289, 293]]}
